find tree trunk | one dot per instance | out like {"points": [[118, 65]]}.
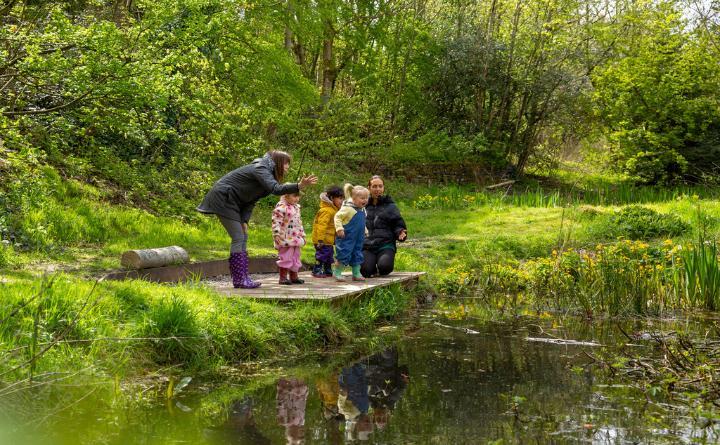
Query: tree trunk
{"points": [[328, 60]]}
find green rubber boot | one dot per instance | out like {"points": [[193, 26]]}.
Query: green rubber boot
{"points": [[337, 272], [357, 276]]}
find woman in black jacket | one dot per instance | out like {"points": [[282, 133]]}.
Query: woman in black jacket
{"points": [[385, 226], [233, 198]]}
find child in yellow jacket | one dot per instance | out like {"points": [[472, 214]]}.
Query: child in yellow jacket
{"points": [[323, 232]]}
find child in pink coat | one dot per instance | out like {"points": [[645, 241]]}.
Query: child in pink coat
{"points": [[289, 237]]}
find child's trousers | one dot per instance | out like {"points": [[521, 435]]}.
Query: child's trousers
{"points": [[323, 253], [349, 250], [289, 258]]}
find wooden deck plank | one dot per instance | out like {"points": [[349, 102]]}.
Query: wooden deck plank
{"points": [[324, 289]]}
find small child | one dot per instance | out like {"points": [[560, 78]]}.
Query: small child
{"points": [[323, 232], [350, 229], [289, 237]]}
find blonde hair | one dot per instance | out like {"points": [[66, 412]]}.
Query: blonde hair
{"points": [[351, 190]]}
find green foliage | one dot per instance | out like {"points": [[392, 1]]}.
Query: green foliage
{"points": [[657, 165], [440, 146], [659, 96], [698, 274], [173, 327], [152, 102], [638, 223], [512, 87], [384, 304]]}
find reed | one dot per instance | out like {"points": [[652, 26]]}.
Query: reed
{"points": [[698, 275]]}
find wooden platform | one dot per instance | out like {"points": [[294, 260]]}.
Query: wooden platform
{"points": [[322, 289], [215, 274]]}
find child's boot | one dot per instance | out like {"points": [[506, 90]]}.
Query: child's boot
{"points": [[357, 276], [294, 279], [284, 276], [318, 271], [337, 272], [327, 270]]}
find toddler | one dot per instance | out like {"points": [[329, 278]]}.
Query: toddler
{"points": [[289, 237], [323, 232], [350, 229]]}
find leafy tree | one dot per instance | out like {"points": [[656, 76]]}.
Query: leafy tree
{"points": [[508, 76], [659, 98]]}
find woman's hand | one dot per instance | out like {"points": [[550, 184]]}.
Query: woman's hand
{"points": [[306, 181], [245, 227], [278, 240], [341, 233], [402, 235]]}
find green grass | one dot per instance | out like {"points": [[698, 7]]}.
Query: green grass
{"points": [[123, 328]]}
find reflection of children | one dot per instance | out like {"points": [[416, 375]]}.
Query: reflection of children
{"points": [[291, 399], [289, 237], [329, 389], [323, 232], [364, 427], [353, 401], [387, 380], [350, 229], [380, 417]]}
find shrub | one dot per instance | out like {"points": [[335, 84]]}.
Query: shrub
{"points": [[638, 223]]}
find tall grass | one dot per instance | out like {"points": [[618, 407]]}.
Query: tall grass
{"points": [[625, 278], [697, 277], [453, 197]]}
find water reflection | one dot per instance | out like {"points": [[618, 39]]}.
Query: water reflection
{"points": [[240, 427], [353, 402], [438, 385], [367, 391], [291, 399]]}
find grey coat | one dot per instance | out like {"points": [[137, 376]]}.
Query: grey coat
{"points": [[234, 195]]}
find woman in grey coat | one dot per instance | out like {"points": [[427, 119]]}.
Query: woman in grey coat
{"points": [[233, 198]]}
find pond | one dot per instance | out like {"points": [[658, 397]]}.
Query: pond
{"points": [[442, 382]]}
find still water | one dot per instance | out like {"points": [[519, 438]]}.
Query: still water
{"points": [[442, 382]]}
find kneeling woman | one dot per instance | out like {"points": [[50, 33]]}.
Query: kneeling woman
{"points": [[385, 227]]}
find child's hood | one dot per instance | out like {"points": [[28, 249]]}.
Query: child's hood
{"points": [[284, 202], [325, 200]]}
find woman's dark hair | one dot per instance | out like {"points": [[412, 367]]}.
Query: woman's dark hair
{"points": [[334, 191], [375, 177], [280, 158]]}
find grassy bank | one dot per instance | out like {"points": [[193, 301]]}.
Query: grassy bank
{"points": [[69, 324]]}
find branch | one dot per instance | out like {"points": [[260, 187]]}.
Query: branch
{"points": [[49, 110], [7, 7]]}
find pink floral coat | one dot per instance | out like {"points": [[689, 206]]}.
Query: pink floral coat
{"points": [[286, 222]]}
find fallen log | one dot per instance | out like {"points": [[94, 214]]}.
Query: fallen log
{"points": [[502, 184], [158, 257], [465, 330], [559, 341]]}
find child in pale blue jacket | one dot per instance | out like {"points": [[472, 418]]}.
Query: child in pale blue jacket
{"points": [[350, 230]]}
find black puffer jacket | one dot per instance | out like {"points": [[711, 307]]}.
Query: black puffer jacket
{"points": [[234, 195], [383, 222]]}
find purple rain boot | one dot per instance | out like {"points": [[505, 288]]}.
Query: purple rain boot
{"points": [[239, 271]]}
